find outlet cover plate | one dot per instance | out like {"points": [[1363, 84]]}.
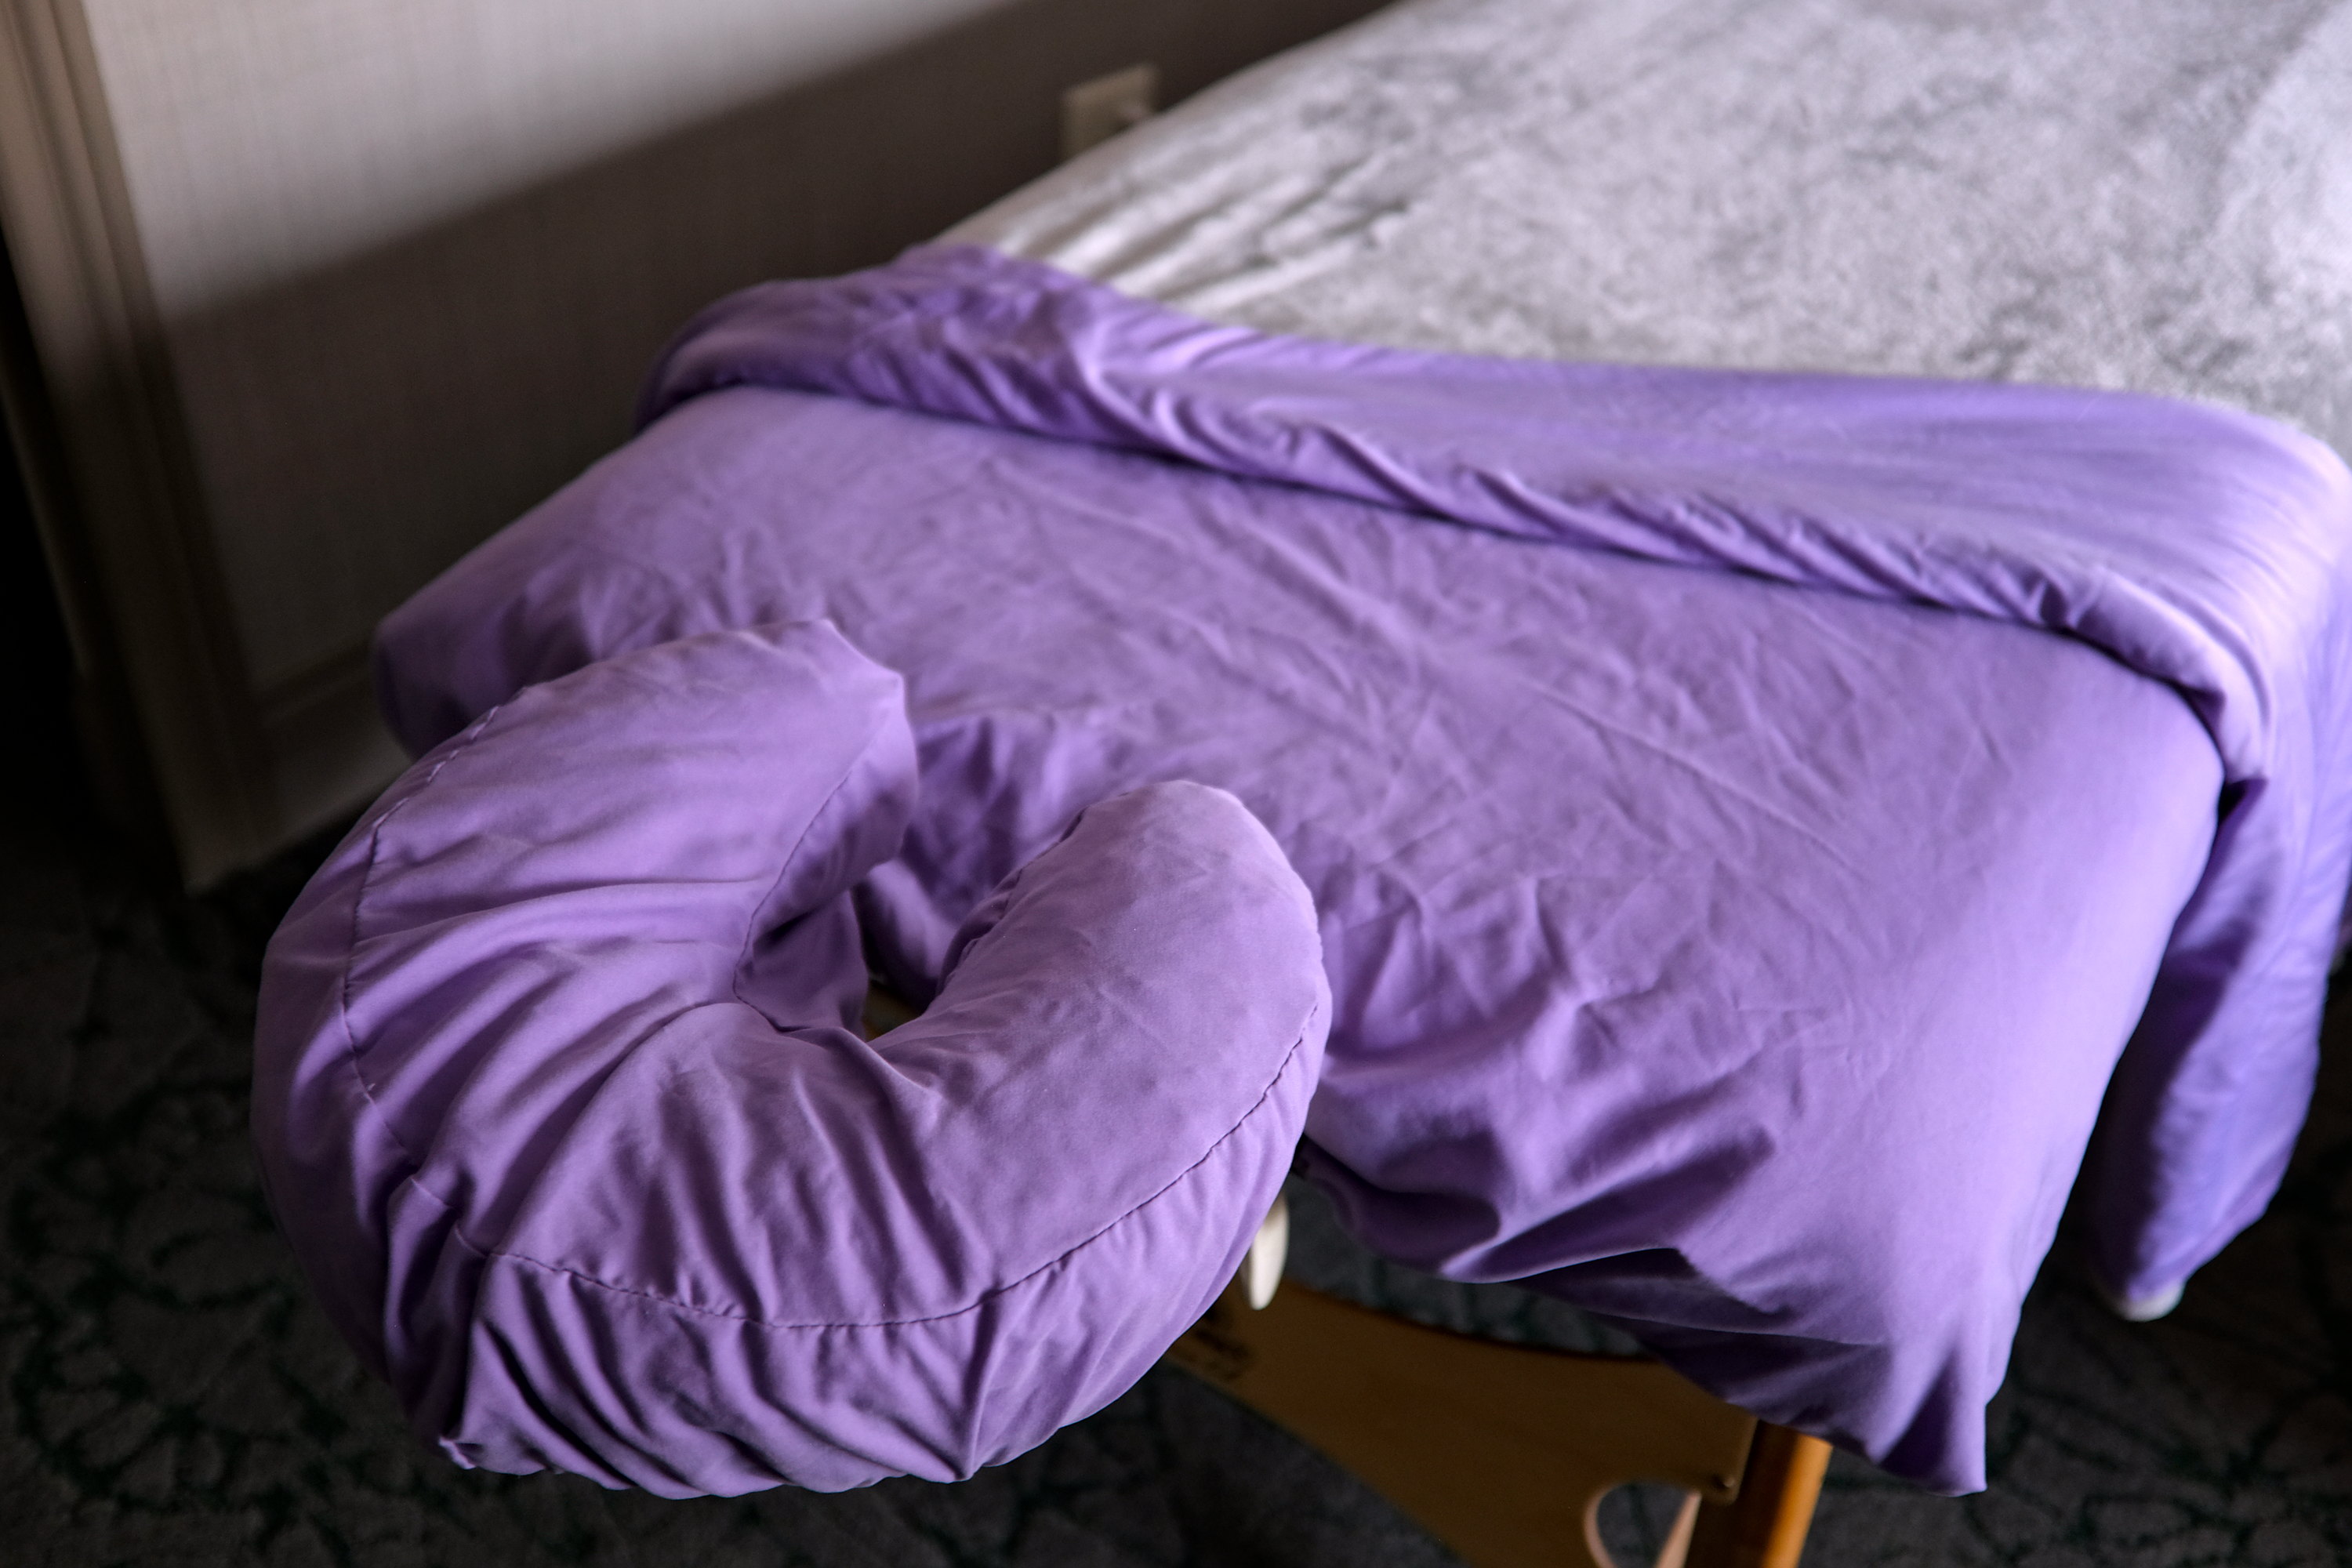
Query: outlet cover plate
{"points": [[1096, 110]]}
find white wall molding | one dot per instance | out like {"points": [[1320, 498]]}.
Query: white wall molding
{"points": [[136, 516]]}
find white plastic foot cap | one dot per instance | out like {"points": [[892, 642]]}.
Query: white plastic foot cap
{"points": [[1262, 1268], [2145, 1309]]}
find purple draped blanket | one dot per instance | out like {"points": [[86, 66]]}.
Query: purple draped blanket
{"points": [[2203, 549]]}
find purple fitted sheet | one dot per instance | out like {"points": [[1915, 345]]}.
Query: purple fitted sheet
{"points": [[1745, 959]]}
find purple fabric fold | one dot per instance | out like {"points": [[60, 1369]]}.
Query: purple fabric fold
{"points": [[2201, 546]]}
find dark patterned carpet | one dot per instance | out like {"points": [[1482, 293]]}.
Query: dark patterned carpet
{"points": [[172, 1397]]}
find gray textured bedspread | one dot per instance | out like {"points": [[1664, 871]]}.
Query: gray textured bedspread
{"points": [[2155, 195]]}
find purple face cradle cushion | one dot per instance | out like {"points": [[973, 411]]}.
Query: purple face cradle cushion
{"points": [[556, 1098]]}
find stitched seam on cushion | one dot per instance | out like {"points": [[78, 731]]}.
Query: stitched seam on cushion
{"points": [[751, 921], [351, 949], [985, 1296]]}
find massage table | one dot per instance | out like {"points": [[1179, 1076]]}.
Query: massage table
{"points": [[1760, 821]]}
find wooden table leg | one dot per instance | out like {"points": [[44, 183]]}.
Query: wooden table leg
{"points": [[1764, 1525], [1502, 1451]]}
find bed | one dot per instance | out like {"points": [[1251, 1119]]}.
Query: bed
{"points": [[1768, 827]]}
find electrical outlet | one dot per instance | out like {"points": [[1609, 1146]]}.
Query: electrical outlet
{"points": [[1094, 111]]}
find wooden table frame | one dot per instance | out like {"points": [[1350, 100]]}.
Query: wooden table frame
{"points": [[1504, 1451]]}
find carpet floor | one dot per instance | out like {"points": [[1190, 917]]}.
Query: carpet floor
{"points": [[172, 1395]]}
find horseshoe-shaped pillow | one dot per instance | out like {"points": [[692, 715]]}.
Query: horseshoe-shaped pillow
{"points": [[556, 1099]]}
